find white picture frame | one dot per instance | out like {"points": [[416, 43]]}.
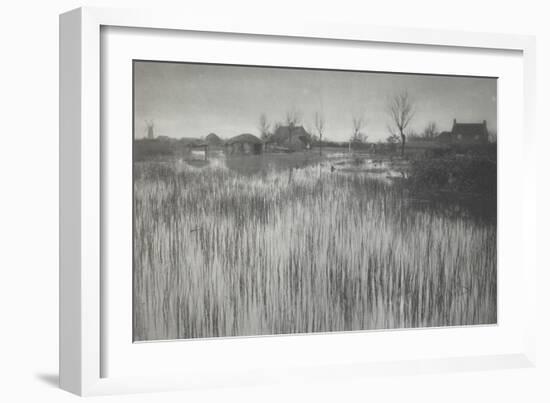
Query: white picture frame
{"points": [[82, 173]]}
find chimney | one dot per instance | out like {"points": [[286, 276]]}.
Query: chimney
{"points": [[454, 121], [484, 122]]}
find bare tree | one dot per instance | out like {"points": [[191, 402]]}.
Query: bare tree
{"points": [[292, 120], [320, 128], [401, 112], [430, 132], [264, 126], [357, 136]]}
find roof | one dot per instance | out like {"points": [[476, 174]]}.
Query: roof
{"points": [[244, 138], [470, 129], [213, 138], [281, 135]]}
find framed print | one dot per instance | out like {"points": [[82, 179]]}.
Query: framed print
{"points": [[248, 203]]}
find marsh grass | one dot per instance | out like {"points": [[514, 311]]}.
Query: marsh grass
{"points": [[217, 253]]}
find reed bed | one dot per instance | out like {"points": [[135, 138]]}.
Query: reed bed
{"points": [[220, 254]]}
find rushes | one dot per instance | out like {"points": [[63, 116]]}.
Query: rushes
{"points": [[219, 254]]}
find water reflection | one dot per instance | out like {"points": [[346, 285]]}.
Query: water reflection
{"points": [[393, 172], [265, 163]]}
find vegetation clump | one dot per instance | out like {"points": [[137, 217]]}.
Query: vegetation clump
{"points": [[447, 170]]}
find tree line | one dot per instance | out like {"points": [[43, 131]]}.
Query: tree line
{"points": [[400, 112]]}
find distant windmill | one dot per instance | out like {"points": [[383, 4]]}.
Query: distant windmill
{"points": [[150, 129]]}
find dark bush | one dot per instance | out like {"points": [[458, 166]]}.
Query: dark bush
{"points": [[488, 150], [438, 152], [469, 174]]}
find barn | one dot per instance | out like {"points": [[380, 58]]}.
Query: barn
{"points": [[245, 143]]}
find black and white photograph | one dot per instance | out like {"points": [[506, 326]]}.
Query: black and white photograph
{"points": [[290, 201], [278, 200]]}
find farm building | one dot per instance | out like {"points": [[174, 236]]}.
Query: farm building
{"points": [[466, 133], [214, 140], [198, 151], [245, 143], [291, 137], [192, 148]]}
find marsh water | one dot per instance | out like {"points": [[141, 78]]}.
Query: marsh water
{"points": [[389, 171]]}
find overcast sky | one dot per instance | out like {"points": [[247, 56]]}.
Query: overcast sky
{"points": [[192, 100]]}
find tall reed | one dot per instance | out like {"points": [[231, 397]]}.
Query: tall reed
{"points": [[221, 254]]}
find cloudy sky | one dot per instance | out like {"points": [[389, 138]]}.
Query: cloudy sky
{"points": [[192, 100]]}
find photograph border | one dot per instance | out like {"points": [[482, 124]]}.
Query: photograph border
{"points": [[80, 176]]}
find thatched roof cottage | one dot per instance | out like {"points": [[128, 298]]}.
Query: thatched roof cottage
{"points": [[291, 137], [245, 143]]}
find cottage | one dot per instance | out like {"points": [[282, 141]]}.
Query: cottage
{"points": [[291, 137], [245, 143], [466, 133]]}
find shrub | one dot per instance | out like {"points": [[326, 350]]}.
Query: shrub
{"points": [[470, 174]]}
